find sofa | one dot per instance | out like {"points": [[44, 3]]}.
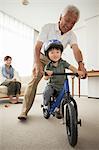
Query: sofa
{"points": [[3, 89]]}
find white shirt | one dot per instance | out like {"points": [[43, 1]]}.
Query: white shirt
{"points": [[51, 31]]}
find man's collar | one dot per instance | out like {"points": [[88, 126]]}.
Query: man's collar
{"points": [[57, 27]]}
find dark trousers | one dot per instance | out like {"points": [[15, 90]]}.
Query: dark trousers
{"points": [[14, 87], [49, 92]]}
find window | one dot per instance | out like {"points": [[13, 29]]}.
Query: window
{"points": [[16, 40]]}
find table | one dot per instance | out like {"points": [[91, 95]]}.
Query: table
{"points": [[92, 73]]}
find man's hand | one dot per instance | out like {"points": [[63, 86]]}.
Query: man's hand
{"points": [[83, 69], [38, 68]]}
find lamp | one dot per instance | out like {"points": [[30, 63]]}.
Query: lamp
{"points": [[25, 2]]}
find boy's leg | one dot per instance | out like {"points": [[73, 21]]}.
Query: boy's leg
{"points": [[48, 92]]}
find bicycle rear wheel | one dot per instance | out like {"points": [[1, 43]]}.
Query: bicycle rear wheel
{"points": [[71, 124]]}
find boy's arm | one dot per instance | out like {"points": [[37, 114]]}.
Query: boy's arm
{"points": [[47, 72], [75, 70]]}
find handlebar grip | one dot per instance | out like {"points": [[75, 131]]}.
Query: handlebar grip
{"points": [[76, 74]]}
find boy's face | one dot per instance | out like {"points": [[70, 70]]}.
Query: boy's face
{"points": [[54, 54]]}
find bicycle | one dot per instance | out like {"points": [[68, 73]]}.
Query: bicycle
{"points": [[71, 112]]}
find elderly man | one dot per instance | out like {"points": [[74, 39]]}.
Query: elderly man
{"points": [[61, 31]]}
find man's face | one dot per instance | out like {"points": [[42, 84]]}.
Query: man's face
{"points": [[67, 22]]}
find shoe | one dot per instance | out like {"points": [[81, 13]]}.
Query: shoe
{"points": [[23, 116], [13, 102], [58, 115]]}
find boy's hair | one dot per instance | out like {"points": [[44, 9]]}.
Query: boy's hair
{"points": [[7, 57]]}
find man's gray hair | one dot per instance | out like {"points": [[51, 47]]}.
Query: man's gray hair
{"points": [[73, 9]]}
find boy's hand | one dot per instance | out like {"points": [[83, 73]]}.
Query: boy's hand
{"points": [[49, 73]]}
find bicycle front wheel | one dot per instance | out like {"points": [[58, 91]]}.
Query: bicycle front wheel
{"points": [[71, 124]]}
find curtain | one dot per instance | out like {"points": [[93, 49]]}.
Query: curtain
{"points": [[16, 40]]}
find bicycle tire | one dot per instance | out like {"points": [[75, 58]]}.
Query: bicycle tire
{"points": [[71, 124], [75, 106]]}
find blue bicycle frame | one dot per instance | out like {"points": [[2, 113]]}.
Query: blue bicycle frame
{"points": [[65, 89]]}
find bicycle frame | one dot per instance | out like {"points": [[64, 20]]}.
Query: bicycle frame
{"points": [[71, 111], [57, 101]]}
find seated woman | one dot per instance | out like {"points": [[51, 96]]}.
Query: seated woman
{"points": [[11, 80]]}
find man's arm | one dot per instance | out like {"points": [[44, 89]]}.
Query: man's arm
{"points": [[37, 64], [79, 58], [77, 53], [37, 50]]}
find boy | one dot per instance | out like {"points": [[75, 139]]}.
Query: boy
{"points": [[53, 50]]}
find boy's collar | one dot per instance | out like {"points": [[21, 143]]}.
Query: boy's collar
{"points": [[55, 62]]}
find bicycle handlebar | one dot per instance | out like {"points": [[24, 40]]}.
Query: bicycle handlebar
{"points": [[69, 73]]}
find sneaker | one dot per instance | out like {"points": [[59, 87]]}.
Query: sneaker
{"points": [[23, 116], [58, 115], [13, 102]]}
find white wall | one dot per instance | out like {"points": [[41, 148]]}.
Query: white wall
{"points": [[88, 40], [38, 13], [92, 38]]}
